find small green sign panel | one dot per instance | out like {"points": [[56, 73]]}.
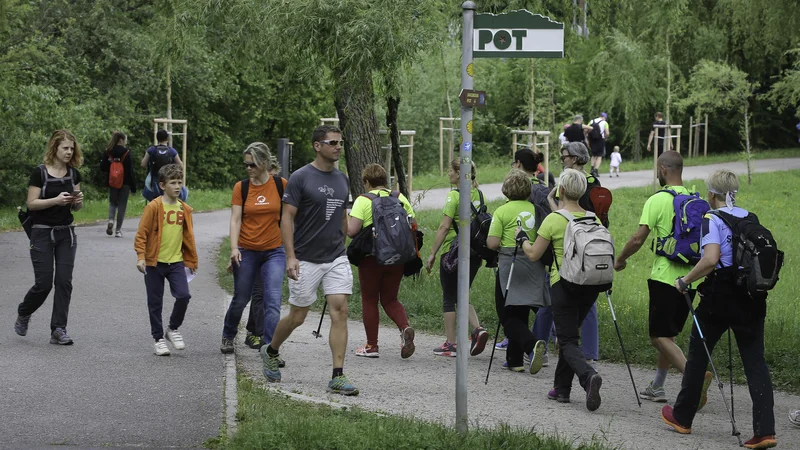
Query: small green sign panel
{"points": [[517, 34]]}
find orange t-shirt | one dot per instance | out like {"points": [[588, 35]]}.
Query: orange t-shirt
{"points": [[260, 230]]}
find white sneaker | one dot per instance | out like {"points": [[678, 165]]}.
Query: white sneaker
{"points": [[175, 337], [161, 347], [545, 360], [118, 234]]}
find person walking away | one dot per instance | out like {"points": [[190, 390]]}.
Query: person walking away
{"points": [[54, 192], [379, 283], [528, 290], [668, 308], [154, 159], [118, 158], [597, 138], [446, 238], [577, 131], [659, 134], [165, 248], [616, 160], [313, 228], [256, 245], [724, 304], [571, 303]]}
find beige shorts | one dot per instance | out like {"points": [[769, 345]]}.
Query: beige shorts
{"points": [[336, 278]]}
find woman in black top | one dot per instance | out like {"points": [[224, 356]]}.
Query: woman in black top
{"points": [[118, 197], [53, 193]]}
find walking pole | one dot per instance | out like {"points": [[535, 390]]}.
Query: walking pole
{"points": [[735, 431], [624, 353], [730, 370], [322, 316], [505, 297]]}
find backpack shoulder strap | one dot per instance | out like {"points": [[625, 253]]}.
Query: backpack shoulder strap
{"points": [[245, 190], [370, 196], [566, 214], [279, 187], [43, 171]]}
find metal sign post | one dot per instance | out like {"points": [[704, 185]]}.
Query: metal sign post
{"points": [[517, 34]]}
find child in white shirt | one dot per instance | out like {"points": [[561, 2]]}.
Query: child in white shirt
{"points": [[616, 159]]}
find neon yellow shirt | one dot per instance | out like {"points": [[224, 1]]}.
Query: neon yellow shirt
{"points": [[658, 214], [504, 221], [362, 206], [451, 210], [171, 234]]}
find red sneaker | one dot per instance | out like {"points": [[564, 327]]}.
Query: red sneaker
{"points": [[479, 338], [669, 419], [761, 442]]}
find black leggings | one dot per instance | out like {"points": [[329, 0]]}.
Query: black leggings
{"points": [[118, 204], [515, 325]]}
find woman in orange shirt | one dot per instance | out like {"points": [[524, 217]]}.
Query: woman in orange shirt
{"points": [[256, 246]]}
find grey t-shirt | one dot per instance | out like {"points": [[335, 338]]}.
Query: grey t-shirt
{"points": [[321, 202]]}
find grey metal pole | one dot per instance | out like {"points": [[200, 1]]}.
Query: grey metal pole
{"points": [[464, 213], [284, 156]]}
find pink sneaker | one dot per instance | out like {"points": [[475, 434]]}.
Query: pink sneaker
{"points": [[368, 351]]}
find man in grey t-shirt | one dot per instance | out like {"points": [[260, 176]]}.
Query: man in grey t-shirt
{"points": [[313, 228]]}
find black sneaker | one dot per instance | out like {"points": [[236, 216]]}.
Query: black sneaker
{"points": [[593, 385], [59, 336], [227, 346], [21, 325]]}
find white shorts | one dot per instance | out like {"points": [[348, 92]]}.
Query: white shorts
{"points": [[336, 278]]}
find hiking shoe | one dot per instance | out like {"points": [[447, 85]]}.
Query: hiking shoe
{"points": [[553, 395], [59, 336], [253, 341], [161, 347], [342, 385], [110, 228], [118, 234], [281, 362], [175, 337], [669, 419], [514, 369], [704, 393], [545, 358], [503, 345], [447, 349], [536, 359], [479, 338], [272, 370], [761, 442], [226, 346], [21, 325], [593, 385], [368, 351], [654, 394], [794, 418], [407, 339]]}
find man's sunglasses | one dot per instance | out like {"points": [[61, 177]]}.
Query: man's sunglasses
{"points": [[333, 142], [248, 165]]}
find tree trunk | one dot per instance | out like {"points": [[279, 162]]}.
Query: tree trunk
{"points": [[637, 143], [169, 102], [669, 92], [355, 103], [747, 141], [392, 105], [531, 104]]}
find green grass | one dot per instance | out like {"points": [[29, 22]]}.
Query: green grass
{"points": [[772, 196], [97, 210], [496, 171], [269, 420]]}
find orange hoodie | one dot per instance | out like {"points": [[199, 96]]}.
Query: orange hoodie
{"points": [[148, 237]]}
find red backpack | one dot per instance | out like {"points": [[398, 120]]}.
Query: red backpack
{"points": [[116, 173]]}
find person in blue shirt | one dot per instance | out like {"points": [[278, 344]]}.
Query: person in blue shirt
{"points": [[724, 305]]}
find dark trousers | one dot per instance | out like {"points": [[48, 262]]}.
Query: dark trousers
{"points": [[47, 246], [154, 277], [117, 204], [515, 325], [255, 319], [750, 340], [570, 307]]}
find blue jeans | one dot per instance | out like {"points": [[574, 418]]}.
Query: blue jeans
{"points": [[590, 339], [270, 265]]}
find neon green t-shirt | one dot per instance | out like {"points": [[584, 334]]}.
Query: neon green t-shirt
{"points": [[362, 206], [553, 228], [658, 214], [451, 210], [171, 234], [504, 221]]}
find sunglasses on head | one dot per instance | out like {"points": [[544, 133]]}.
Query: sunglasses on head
{"points": [[333, 142], [248, 165]]}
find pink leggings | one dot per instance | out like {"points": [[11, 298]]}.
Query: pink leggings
{"points": [[380, 283]]}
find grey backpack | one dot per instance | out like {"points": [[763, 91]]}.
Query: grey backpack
{"points": [[588, 253], [392, 239]]}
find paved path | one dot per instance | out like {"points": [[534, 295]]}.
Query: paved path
{"points": [[435, 198]]}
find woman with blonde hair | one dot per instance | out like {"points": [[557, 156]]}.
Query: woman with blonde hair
{"points": [[445, 236], [256, 245], [379, 282], [54, 192]]}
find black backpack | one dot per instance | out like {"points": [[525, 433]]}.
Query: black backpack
{"points": [[597, 132], [158, 159], [479, 232], [278, 185], [392, 237], [755, 251]]}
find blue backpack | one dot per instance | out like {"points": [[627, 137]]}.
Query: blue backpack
{"points": [[683, 243]]}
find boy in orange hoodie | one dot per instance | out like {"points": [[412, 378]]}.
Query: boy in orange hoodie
{"points": [[165, 247]]}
